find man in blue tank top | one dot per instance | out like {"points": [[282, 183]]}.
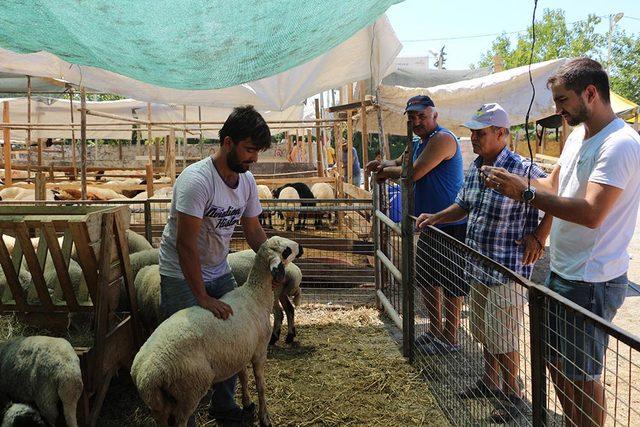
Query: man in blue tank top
{"points": [[438, 176]]}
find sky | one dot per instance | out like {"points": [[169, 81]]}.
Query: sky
{"points": [[454, 21]]}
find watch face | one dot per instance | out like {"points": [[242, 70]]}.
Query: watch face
{"points": [[528, 194]]}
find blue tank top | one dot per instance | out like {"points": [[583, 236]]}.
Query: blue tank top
{"points": [[438, 189]]}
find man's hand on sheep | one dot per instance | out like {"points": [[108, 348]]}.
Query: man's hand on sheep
{"points": [[219, 309]]}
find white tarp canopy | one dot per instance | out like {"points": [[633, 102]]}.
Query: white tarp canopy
{"points": [[456, 102], [367, 54], [52, 110]]}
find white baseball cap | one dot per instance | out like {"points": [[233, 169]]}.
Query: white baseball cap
{"points": [[491, 114]]}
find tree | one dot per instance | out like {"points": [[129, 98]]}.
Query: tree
{"points": [[625, 73], [554, 39]]}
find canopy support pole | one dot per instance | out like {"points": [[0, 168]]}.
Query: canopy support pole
{"points": [[74, 148], [83, 142], [201, 142], [6, 133], [318, 145], [149, 135], [382, 137], [365, 134]]}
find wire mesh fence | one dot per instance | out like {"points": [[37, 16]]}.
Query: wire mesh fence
{"points": [[499, 349], [496, 348], [337, 266]]}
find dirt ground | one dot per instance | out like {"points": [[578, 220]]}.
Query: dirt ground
{"points": [[344, 370]]}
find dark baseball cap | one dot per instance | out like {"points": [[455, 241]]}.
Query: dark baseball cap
{"points": [[419, 103]]}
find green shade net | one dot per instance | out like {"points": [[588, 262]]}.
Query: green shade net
{"points": [[185, 44]]}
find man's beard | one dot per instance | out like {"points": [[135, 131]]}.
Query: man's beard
{"points": [[234, 164], [579, 117]]}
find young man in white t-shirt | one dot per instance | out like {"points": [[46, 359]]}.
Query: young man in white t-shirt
{"points": [[593, 194], [209, 198]]}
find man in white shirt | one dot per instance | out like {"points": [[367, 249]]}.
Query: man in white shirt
{"points": [[209, 198], [593, 193]]}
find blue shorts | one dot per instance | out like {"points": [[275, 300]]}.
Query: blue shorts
{"points": [[578, 343], [175, 293]]}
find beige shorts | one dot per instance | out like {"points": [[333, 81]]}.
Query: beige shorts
{"points": [[497, 315]]}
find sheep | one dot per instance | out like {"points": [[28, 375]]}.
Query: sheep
{"points": [[138, 261], [137, 242], [43, 370], [21, 415], [289, 193], [103, 193], [241, 262], [147, 286], [24, 280], [10, 193], [322, 190], [264, 194], [193, 349], [304, 192]]}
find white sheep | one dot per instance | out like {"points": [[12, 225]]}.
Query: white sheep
{"points": [[193, 349], [241, 262], [137, 242], [289, 193], [322, 190], [42, 370], [264, 194], [19, 414], [147, 286], [24, 280]]}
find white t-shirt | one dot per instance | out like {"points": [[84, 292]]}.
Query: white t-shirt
{"points": [[200, 191], [610, 157]]}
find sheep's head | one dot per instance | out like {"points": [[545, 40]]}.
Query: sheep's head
{"points": [[280, 251]]}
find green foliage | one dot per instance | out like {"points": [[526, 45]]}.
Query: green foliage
{"points": [[555, 38], [625, 72]]}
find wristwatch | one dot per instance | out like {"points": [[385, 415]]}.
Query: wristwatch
{"points": [[528, 194]]}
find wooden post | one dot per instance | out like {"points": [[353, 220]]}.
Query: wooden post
{"points": [[74, 160], [318, 145], [382, 137], [149, 134], [149, 174], [201, 141], [83, 143], [6, 134], [349, 136], [309, 145], [365, 135], [40, 141], [183, 152], [156, 144], [119, 151], [170, 159], [286, 135], [40, 185], [29, 131]]}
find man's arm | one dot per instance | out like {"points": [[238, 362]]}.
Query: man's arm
{"points": [[188, 227], [589, 211], [253, 232], [441, 147], [451, 214], [534, 242]]}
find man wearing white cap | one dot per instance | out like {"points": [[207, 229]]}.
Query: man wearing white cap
{"points": [[508, 232]]}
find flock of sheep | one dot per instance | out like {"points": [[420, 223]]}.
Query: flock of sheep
{"points": [[183, 356]]}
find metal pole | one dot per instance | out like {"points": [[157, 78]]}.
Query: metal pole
{"points": [[538, 368], [376, 239], [147, 221], [83, 143], [408, 271]]}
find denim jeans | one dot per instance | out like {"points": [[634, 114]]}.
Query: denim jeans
{"points": [[175, 295], [579, 343]]}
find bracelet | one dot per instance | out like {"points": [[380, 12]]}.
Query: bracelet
{"points": [[538, 241]]}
